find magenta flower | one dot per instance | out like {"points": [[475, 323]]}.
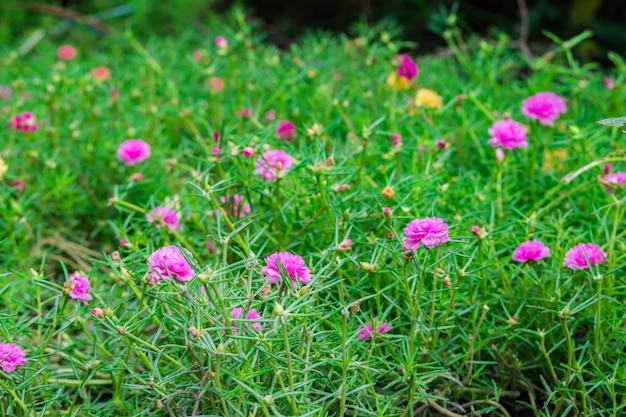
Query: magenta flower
{"points": [[509, 134], [545, 107], [253, 316], [429, 232], [79, 288], [288, 262], [66, 52], [239, 208], [532, 250], [286, 131], [584, 255], [396, 140], [164, 216], [366, 332], [24, 122], [170, 261], [273, 164], [614, 179], [609, 83], [221, 42], [248, 152], [11, 356], [133, 151], [406, 67]]}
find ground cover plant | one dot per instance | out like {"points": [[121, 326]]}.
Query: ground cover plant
{"points": [[216, 227]]}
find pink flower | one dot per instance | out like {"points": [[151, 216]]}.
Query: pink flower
{"points": [[429, 232], [24, 122], [221, 42], [248, 152], [252, 316], [584, 255], [170, 261], [215, 84], [609, 83], [101, 73], [133, 151], [396, 140], [66, 52], [509, 134], [532, 250], [406, 68], [243, 113], [270, 115], [545, 107], [19, 185], [615, 179], [11, 356], [164, 216], [441, 144], [290, 263], [366, 332], [286, 131], [345, 246], [98, 313], [240, 210], [273, 164], [79, 288], [5, 93]]}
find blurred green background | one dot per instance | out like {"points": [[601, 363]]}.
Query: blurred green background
{"points": [[283, 21]]}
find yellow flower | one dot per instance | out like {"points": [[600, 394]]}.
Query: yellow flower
{"points": [[428, 98], [395, 82], [3, 168], [553, 160]]}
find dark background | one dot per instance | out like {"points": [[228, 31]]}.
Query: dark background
{"points": [[283, 21]]}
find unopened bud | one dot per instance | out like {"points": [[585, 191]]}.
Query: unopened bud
{"points": [[447, 282], [388, 193], [387, 213], [278, 309], [98, 312], [344, 246], [195, 332]]}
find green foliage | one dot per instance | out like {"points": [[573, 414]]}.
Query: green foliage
{"points": [[472, 331]]}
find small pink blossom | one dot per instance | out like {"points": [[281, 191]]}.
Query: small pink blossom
{"points": [[584, 255], [5, 93], [215, 84], [98, 313], [66, 52], [270, 115], [24, 122], [396, 140], [101, 73], [430, 232], [170, 261], [345, 245], [221, 42], [248, 152], [290, 263], [441, 144], [79, 288], [252, 316], [164, 216], [273, 164], [286, 131], [614, 180], [245, 112], [609, 83], [532, 250], [19, 185], [406, 67], [366, 332], [545, 107], [133, 151], [478, 231], [509, 134], [387, 213], [216, 151], [239, 208], [499, 155], [11, 356]]}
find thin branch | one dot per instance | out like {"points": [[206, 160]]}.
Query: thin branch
{"points": [[524, 28]]}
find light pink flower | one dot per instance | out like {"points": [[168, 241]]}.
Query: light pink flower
{"points": [[345, 245], [24, 122], [79, 288], [509, 134], [254, 317], [239, 208], [66, 52], [133, 151], [11, 356], [98, 313], [615, 179], [5, 93], [215, 84], [101, 73], [286, 131], [221, 42], [273, 164], [248, 152], [396, 140], [270, 115], [366, 332], [170, 261], [532, 250], [609, 83], [290, 263], [545, 107], [245, 112], [164, 216], [406, 67], [584, 255], [429, 232]]}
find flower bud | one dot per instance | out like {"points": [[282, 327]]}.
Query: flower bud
{"points": [[388, 193], [387, 213], [98, 312]]}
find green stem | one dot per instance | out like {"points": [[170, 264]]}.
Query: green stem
{"points": [[13, 394], [289, 367], [218, 384], [57, 319]]}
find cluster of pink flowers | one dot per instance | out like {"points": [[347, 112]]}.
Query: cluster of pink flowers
{"points": [[366, 332], [24, 122], [169, 261], [273, 164], [133, 151], [164, 216], [430, 232], [286, 130], [508, 134], [79, 288], [584, 255], [406, 67], [532, 250], [252, 316], [11, 356], [545, 107], [239, 208], [286, 262]]}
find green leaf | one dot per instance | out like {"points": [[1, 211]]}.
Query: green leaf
{"points": [[614, 121]]}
